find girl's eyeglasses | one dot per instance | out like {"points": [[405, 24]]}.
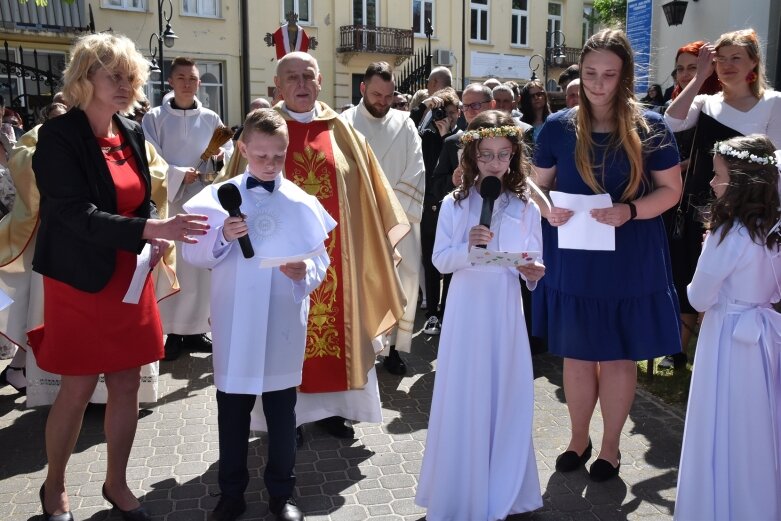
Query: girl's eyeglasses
{"points": [[400, 105], [503, 156]]}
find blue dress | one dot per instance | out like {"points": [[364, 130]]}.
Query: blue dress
{"points": [[607, 305]]}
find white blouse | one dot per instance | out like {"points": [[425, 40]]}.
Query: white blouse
{"points": [[762, 118]]}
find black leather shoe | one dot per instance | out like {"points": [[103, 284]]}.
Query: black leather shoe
{"points": [[67, 516], [570, 461], [200, 343], [173, 347], [285, 509], [603, 470], [337, 427], [228, 509], [394, 364], [137, 514], [299, 437]]}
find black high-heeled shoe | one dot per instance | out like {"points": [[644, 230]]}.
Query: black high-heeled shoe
{"points": [[570, 461], [5, 381], [137, 514], [603, 470], [67, 516]]}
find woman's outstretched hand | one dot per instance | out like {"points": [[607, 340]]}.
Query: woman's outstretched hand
{"points": [[182, 227]]}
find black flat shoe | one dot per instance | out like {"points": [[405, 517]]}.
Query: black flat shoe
{"points": [[137, 514], [337, 427], [394, 364], [67, 516], [570, 461], [603, 470]]}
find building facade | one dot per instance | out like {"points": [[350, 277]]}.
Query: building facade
{"points": [[475, 39], [706, 20]]}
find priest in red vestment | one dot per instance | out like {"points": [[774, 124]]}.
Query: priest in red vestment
{"points": [[361, 296]]}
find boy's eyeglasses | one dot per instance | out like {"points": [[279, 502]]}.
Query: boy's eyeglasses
{"points": [[503, 156]]}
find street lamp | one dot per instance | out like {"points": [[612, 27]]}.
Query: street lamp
{"points": [[557, 54], [537, 66], [164, 37]]}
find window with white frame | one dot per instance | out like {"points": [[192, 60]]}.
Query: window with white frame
{"points": [[554, 23], [520, 22], [478, 29], [303, 8], [211, 92], [422, 10], [127, 5], [365, 12], [206, 8], [588, 22]]}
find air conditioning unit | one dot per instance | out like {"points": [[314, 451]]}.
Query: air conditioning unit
{"points": [[443, 57]]}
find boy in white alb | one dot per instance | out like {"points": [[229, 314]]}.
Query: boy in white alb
{"points": [[259, 314]]}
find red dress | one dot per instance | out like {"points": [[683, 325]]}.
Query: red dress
{"points": [[90, 333]]}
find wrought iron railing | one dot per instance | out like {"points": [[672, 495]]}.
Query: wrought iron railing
{"points": [[55, 16], [414, 74], [571, 56], [366, 38], [27, 87]]}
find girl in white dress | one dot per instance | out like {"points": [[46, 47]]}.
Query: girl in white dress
{"points": [[479, 462], [730, 460]]}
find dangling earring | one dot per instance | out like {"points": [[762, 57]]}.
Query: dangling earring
{"points": [[751, 77]]}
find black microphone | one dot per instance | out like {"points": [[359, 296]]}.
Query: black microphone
{"points": [[230, 199], [490, 188]]}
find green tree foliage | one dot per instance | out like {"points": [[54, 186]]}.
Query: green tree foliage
{"points": [[610, 13]]}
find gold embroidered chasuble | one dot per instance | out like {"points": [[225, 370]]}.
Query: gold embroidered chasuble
{"points": [[362, 296]]}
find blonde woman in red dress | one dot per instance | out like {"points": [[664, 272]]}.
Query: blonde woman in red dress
{"points": [[96, 216]]}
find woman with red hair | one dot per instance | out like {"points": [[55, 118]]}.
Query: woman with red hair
{"points": [[686, 68], [744, 106]]}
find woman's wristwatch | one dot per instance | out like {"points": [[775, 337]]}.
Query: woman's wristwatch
{"points": [[632, 211]]}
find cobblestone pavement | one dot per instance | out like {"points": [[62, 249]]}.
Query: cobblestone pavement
{"points": [[173, 465]]}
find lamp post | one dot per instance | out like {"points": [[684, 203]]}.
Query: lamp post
{"points": [[164, 37], [537, 66], [554, 54]]}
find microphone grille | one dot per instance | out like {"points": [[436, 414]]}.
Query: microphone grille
{"points": [[229, 196], [490, 187]]}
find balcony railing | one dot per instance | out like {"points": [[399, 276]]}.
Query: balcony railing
{"points": [[571, 56], [56, 16], [383, 40]]}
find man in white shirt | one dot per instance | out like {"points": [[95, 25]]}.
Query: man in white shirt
{"points": [[180, 129], [395, 141]]}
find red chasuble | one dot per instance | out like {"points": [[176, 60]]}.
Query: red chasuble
{"points": [[310, 165]]}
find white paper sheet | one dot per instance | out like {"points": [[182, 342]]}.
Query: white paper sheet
{"points": [[273, 262], [139, 276], [479, 256], [583, 232], [5, 300]]}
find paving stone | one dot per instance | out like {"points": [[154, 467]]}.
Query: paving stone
{"points": [[174, 461]]}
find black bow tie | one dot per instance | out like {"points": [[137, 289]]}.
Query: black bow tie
{"points": [[252, 182]]}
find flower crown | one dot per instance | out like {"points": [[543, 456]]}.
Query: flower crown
{"points": [[483, 133], [744, 155]]}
